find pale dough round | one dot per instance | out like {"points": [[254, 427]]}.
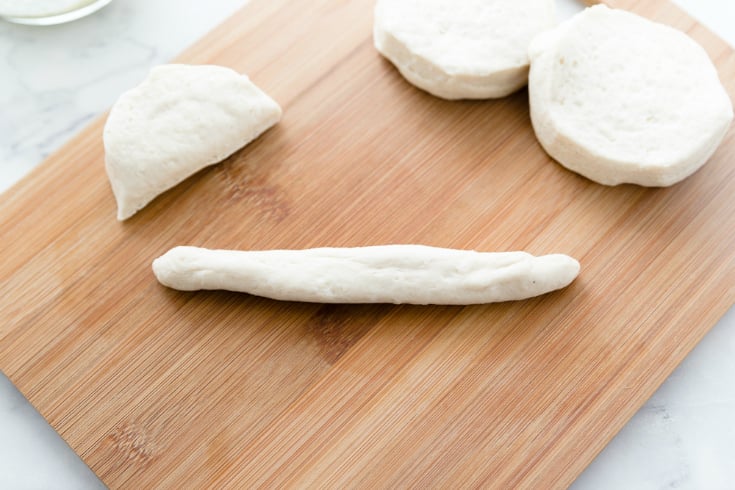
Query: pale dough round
{"points": [[620, 99], [181, 119], [461, 49]]}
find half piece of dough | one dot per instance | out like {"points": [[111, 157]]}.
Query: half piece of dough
{"points": [[620, 99], [181, 119], [461, 49], [412, 274]]}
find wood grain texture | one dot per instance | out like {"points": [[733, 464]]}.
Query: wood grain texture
{"points": [[158, 388]]}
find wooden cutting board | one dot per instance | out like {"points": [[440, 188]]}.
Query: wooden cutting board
{"points": [[158, 388]]}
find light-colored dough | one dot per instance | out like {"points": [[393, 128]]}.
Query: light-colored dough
{"points": [[181, 119], [461, 49], [413, 274], [620, 99]]}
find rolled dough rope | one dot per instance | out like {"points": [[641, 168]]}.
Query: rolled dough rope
{"points": [[413, 274]]}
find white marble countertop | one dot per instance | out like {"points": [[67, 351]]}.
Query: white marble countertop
{"points": [[55, 80]]}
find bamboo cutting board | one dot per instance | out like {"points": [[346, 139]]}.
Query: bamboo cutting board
{"points": [[154, 387]]}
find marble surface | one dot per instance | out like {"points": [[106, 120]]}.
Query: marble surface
{"points": [[32, 455], [55, 80]]}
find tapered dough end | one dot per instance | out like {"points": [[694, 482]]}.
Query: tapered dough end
{"points": [[552, 272], [177, 268], [180, 119]]}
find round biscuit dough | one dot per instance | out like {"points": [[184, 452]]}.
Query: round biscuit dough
{"points": [[621, 99], [461, 49]]}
